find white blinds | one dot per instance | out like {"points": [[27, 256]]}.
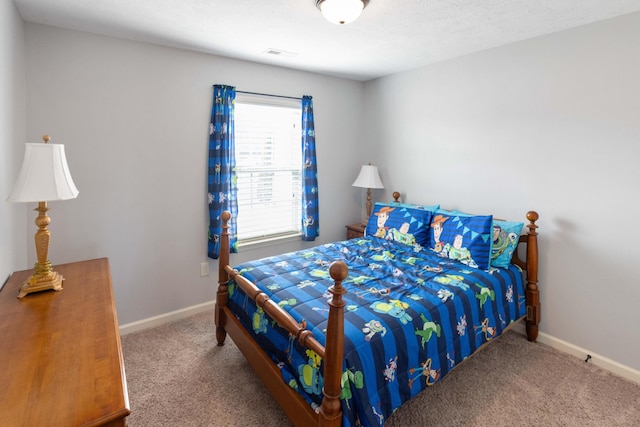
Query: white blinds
{"points": [[268, 166]]}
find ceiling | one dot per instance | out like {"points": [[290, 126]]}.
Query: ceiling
{"points": [[390, 36]]}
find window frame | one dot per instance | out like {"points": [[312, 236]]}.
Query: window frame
{"points": [[267, 101]]}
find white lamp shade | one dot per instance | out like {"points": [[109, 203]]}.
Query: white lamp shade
{"points": [[368, 178], [44, 175], [341, 11]]}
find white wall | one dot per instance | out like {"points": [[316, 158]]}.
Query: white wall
{"points": [[550, 124], [13, 236], [134, 120]]}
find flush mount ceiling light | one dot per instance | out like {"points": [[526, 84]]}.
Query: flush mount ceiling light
{"points": [[341, 11]]}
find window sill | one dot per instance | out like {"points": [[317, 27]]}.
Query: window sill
{"points": [[268, 241]]}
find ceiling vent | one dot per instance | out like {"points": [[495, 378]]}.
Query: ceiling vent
{"points": [[281, 53]]}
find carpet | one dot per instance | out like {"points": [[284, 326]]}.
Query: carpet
{"points": [[178, 376]]}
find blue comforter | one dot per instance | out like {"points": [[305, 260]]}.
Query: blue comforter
{"points": [[410, 317]]}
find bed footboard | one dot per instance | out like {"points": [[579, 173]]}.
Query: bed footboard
{"points": [[298, 411]]}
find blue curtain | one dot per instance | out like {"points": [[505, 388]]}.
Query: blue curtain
{"points": [[310, 217], [222, 181]]}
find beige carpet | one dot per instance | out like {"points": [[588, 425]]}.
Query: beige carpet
{"points": [[177, 376]]}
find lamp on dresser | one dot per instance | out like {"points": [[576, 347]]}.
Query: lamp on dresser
{"points": [[368, 178], [44, 177]]}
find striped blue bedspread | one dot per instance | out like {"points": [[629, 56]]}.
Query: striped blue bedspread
{"points": [[410, 317]]}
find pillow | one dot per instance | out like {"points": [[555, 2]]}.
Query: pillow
{"points": [[452, 212], [505, 241], [431, 208], [466, 238], [398, 223]]}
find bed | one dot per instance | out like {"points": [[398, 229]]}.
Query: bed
{"points": [[344, 333]]}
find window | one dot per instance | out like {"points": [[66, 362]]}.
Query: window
{"points": [[268, 167]]}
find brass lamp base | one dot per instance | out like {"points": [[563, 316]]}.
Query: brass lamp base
{"points": [[35, 283], [43, 277]]}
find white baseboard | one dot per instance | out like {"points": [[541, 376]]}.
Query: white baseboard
{"points": [[566, 347], [165, 318], [581, 353]]}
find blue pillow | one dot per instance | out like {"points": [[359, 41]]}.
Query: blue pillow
{"points": [[431, 208], [466, 238], [505, 241], [505, 238], [401, 224], [451, 212]]}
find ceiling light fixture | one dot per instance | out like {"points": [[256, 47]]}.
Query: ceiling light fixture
{"points": [[341, 11]]}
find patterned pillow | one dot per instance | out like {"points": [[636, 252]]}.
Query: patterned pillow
{"points": [[505, 236], [452, 212], [505, 241], [431, 208], [402, 224], [466, 238]]}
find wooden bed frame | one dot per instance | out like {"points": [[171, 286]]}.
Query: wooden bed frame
{"points": [[297, 409]]}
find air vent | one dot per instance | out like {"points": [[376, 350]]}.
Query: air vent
{"points": [[282, 53]]}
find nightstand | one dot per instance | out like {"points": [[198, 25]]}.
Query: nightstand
{"points": [[355, 231]]}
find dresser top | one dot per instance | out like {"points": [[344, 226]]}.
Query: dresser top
{"points": [[60, 351]]}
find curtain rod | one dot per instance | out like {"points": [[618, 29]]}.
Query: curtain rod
{"points": [[267, 94]]}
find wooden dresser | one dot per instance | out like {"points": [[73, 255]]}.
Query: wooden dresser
{"points": [[60, 352]]}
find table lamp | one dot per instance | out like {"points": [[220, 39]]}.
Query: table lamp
{"points": [[368, 178], [44, 177]]}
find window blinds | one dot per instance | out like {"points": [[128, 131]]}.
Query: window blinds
{"points": [[268, 167]]}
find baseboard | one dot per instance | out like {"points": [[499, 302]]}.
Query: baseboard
{"points": [[566, 347], [581, 353], [165, 318]]}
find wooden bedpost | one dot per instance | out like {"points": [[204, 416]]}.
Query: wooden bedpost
{"points": [[532, 295], [223, 279], [330, 412]]}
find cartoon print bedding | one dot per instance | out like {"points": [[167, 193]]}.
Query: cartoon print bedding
{"points": [[410, 317]]}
